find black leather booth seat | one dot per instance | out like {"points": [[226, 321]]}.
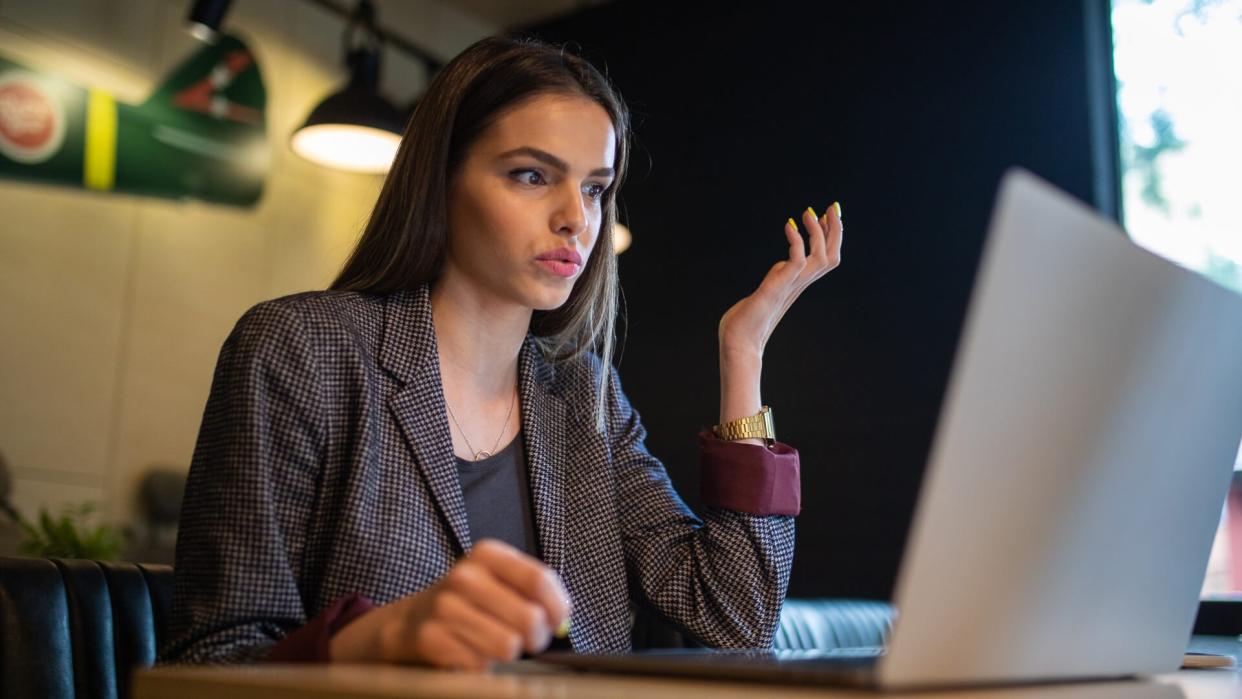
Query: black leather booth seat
{"points": [[71, 628]]}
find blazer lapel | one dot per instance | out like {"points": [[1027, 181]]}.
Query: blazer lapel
{"points": [[408, 350], [544, 424], [559, 475]]}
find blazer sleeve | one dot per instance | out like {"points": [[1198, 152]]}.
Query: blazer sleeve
{"points": [[722, 578], [249, 492]]}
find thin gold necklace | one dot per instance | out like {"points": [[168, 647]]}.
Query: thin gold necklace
{"points": [[480, 455]]}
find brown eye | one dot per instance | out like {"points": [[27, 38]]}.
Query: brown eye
{"points": [[524, 176]]}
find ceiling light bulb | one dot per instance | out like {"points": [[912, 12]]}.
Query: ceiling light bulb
{"points": [[347, 147], [621, 238]]}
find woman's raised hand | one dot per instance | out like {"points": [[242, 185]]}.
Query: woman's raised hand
{"points": [[745, 328], [492, 605]]}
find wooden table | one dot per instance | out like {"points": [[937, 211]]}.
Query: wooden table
{"points": [[529, 680]]}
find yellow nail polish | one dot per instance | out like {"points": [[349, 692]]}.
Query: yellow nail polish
{"points": [[563, 630], [792, 224], [837, 206], [813, 214]]}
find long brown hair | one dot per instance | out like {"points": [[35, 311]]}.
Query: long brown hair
{"points": [[404, 243]]}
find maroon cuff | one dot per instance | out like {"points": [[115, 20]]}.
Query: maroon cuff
{"points": [[309, 644], [748, 477]]}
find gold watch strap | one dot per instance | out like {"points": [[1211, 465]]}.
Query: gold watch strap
{"points": [[757, 426]]}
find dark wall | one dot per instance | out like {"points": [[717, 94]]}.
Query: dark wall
{"points": [[907, 113]]}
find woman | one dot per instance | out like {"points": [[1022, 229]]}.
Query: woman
{"points": [[433, 462]]}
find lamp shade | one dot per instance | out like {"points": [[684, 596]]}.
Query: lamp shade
{"points": [[354, 129]]}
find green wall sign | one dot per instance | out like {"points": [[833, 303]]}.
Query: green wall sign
{"points": [[201, 134]]}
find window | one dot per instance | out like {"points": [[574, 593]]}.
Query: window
{"points": [[1179, 106]]}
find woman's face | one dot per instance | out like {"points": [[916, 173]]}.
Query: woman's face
{"points": [[531, 187]]}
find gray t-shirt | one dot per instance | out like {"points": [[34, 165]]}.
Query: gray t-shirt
{"points": [[497, 496]]}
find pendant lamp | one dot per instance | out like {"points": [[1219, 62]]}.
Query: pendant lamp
{"points": [[354, 129]]}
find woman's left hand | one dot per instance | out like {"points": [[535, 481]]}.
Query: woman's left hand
{"points": [[745, 328]]}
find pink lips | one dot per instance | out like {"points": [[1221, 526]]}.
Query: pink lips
{"points": [[563, 262]]}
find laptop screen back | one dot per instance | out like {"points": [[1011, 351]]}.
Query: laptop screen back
{"points": [[1080, 462]]}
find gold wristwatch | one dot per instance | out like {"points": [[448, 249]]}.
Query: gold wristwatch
{"points": [[757, 426]]}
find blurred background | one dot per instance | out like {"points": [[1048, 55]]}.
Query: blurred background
{"points": [[181, 181]]}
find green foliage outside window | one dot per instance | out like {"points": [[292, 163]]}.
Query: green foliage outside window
{"points": [[1179, 98]]}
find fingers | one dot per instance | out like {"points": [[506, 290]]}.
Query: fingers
{"points": [[523, 617], [795, 274], [783, 274], [435, 643], [797, 250], [825, 234], [527, 576], [486, 637], [491, 606], [815, 230], [836, 233]]}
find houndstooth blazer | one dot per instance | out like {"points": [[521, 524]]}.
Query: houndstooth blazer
{"points": [[324, 467]]}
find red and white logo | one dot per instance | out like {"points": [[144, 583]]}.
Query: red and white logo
{"points": [[32, 121]]}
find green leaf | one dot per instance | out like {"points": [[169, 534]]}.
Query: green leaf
{"points": [[45, 520], [70, 535]]}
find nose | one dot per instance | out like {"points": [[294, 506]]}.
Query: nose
{"points": [[570, 216]]}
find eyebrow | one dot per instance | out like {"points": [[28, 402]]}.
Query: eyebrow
{"points": [[546, 157]]}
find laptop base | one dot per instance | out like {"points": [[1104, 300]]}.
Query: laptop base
{"points": [[848, 667]]}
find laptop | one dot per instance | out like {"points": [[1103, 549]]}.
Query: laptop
{"points": [[1075, 481]]}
